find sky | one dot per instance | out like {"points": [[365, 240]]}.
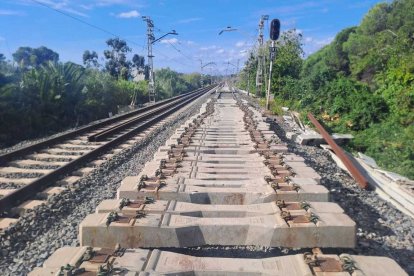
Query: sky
{"points": [[36, 23]]}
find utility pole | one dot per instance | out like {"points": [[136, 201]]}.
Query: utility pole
{"points": [[260, 61], [150, 41], [201, 65], [247, 68], [205, 65], [201, 71], [272, 56], [234, 68]]}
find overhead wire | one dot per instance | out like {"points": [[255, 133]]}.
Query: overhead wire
{"points": [[116, 35], [85, 22], [167, 57], [179, 51], [174, 47], [101, 29], [192, 59]]}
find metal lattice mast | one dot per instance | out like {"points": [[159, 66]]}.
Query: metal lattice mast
{"points": [[201, 71], [150, 40], [260, 57]]}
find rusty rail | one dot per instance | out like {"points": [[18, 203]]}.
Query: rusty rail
{"points": [[356, 174]]}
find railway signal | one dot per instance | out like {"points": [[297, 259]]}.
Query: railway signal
{"points": [[275, 29], [274, 35]]}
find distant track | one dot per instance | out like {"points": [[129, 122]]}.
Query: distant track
{"points": [[38, 166]]}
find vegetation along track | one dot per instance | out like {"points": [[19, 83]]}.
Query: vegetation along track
{"points": [[33, 168]]}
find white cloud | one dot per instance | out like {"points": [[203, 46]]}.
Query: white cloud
{"points": [[360, 4], [107, 3], [312, 44], [86, 7], [169, 41], [243, 54], [189, 20], [325, 41], [129, 14], [299, 31], [62, 5], [290, 23], [11, 13], [78, 7], [240, 44], [220, 51], [207, 48], [308, 39], [294, 9]]}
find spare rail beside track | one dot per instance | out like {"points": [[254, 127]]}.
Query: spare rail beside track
{"points": [[362, 181]]}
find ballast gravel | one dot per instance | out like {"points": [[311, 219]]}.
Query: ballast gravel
{"points": [[40, 232], [382, 230]]}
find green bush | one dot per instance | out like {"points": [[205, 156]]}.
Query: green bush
{"points": [[362, 83], [390, 144]]}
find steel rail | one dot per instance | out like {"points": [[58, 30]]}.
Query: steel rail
{"points": [[119, 127], [20, 195], [7, 157], [357, 175]]}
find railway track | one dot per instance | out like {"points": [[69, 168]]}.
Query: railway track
{"points": [[223, 179], [32, 169]]}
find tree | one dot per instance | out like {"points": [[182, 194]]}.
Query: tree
{"points": [[117, 64], [90, 58], [3, 65], [138, 62], [288, 62], [247, 79], [28, 57], [337, 58], [376, 19], [137, 67], [193, 80]]}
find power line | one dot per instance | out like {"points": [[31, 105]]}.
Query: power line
{"points": [[84, 22], [175, 48], [178, 50], [167, 57], [104, 30]]}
